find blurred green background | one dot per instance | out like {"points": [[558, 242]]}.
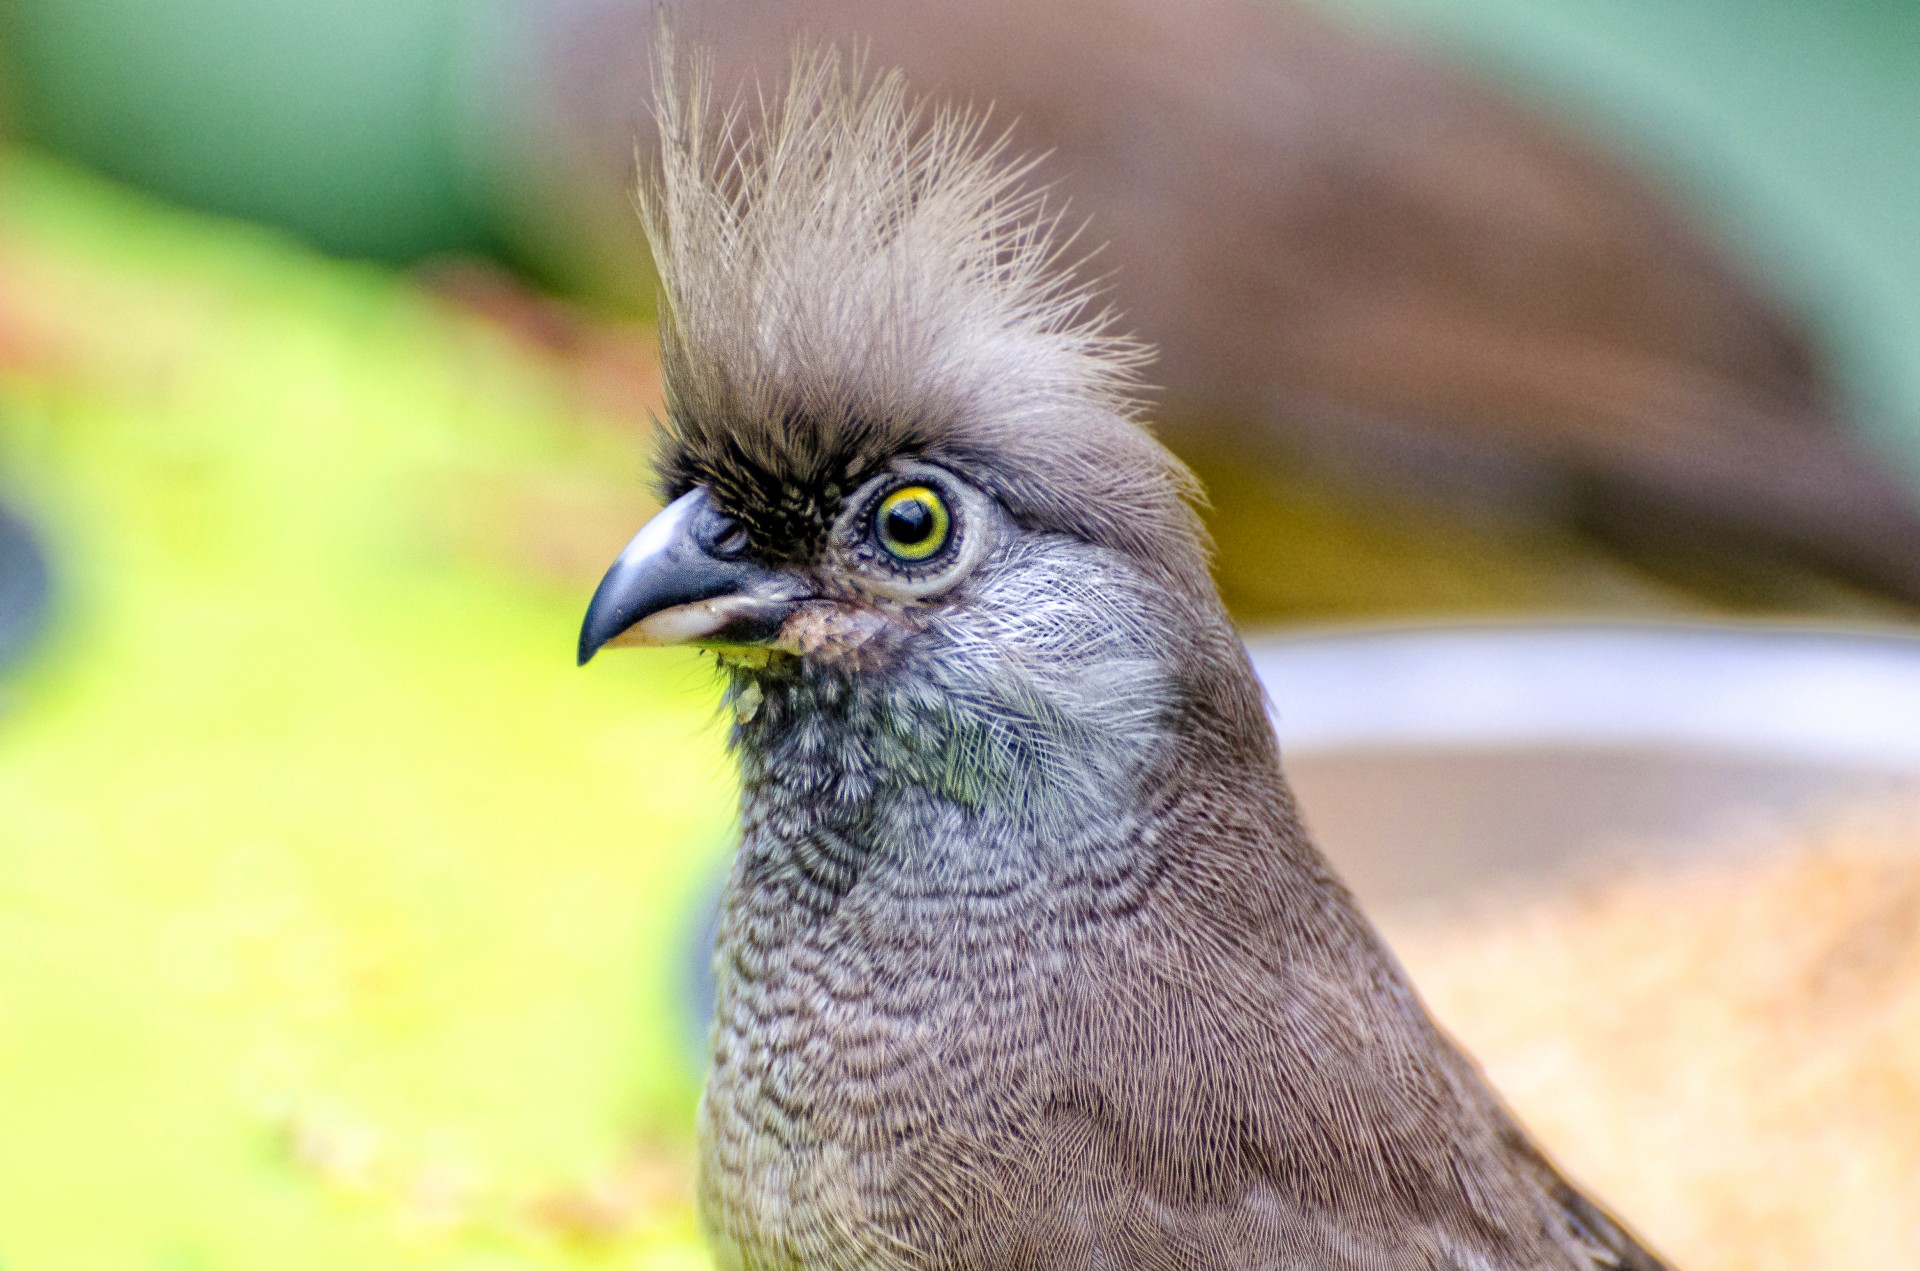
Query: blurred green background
{"points": [[343, 922]]}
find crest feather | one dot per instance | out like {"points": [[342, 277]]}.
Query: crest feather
{"points": [[849, 275]]}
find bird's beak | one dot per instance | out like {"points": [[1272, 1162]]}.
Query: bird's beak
{"points": [[667, 587]]}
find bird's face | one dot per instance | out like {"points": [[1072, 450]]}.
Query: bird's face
{"points": [[1006, 659], [840, 578], [911, 503]]}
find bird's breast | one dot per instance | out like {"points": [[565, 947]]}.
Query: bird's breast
{"points": [[869, 1055]]}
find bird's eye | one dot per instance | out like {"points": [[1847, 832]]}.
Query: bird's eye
{"points": [[912, 523], [730, 540]]}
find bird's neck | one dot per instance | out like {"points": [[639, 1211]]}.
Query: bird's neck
{"points": [[843, 772]]}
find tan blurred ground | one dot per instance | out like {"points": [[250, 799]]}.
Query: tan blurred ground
{"points": [[1729, 1054]]}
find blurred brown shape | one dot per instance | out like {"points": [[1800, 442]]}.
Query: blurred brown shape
{"points": [[1356, 264]]}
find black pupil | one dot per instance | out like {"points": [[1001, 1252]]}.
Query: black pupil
{"points": [[909, 522], [729, 539]]}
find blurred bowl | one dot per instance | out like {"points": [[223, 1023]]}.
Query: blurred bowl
{"points": [[1435, 763]]}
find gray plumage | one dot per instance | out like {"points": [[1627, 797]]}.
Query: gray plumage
{"points": [[1026, 960]]}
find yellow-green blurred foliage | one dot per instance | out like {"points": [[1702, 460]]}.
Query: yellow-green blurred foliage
{"points": [[341, 918]]}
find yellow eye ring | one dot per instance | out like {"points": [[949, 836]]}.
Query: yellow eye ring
{"points": [[912, 523]]}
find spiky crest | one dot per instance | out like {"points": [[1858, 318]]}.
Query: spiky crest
{"points": [[849, 276]]}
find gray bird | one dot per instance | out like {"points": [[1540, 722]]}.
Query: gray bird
{"points": [[1026, 960]]}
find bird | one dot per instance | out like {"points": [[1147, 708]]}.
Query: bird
{"points": [[1026, 958], [1387, 300]]}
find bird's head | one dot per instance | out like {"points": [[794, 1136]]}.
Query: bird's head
{"points": [[903, 461]]}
